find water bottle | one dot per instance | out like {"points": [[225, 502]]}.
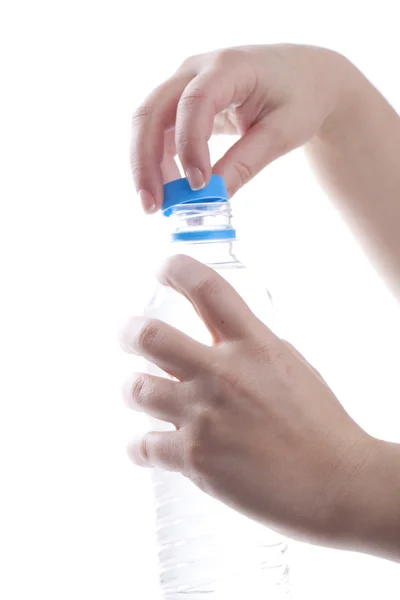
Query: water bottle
{"points": [[206, 549]]}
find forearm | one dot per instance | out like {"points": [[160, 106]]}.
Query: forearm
{"points": [[372, 505], [357, 158]]}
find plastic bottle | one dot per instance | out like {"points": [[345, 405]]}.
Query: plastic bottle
{"points": [[205, 548]]}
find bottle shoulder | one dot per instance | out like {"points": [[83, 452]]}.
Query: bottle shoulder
{"points": [[168, 305]]}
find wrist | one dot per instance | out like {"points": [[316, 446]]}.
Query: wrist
{"points": [[350, 90], [369, 510]]}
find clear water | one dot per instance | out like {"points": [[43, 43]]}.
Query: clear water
{"points": [[205, 548]]}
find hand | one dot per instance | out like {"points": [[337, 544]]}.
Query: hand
{"points": [[275, 97], [256, 425]]}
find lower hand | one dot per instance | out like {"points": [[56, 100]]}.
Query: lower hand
{"points": [[256, 425]]}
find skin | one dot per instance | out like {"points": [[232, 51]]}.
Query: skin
{"points": [[256, 425]]}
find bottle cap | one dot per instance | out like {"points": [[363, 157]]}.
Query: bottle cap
{"points": [[180, 192]]}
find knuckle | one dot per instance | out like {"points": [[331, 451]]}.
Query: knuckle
{"points": [[195, 459], [289, 346], [192, 97], [279, 140], [206, 288], [190, 100], [138, 169], [244, 172], [188, 63], [137, 388], [204, 423], [267, 351], [148, 335], [188, 135], [198, 444], [138, 161], [231, 380], [275, 352], [185, 145], [287, 343], [227, 56], [141, 114], [174, 266]]}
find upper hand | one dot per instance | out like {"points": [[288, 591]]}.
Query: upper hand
{"points": [[275, 97]]}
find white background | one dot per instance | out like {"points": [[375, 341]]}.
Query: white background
{"points": [[75, 518]]}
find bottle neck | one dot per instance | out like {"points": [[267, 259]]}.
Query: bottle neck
{"points": [[204, 231], [219, 255], [202, 222]]}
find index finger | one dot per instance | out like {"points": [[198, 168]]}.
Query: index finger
{"points": [[215, 88], [149, 123], [224, 312]]}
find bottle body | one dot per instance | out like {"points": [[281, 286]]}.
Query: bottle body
{"points": [[204, 546]]}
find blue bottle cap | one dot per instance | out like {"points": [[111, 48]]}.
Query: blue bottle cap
{"points": [[180, 192]]}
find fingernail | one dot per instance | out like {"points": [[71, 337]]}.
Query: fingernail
{"points": [[147, 200], [195, 178]]}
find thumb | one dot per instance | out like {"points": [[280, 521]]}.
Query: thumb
{"points": [[261, 144]]}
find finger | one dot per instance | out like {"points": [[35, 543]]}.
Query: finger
{"points": [[163, 449], [203, 98], [158, 397], [225, 122], [167, 347], [224, 312], [260, 145], [169, 168], [149, 123]]}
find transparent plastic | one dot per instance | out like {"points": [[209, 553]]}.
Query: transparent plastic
{"points": [[205, 548]]}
